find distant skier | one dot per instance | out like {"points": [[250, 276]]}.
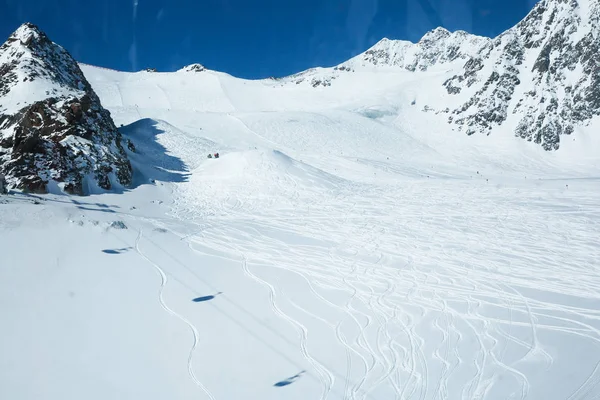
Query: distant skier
{"points": [[210, 156], [216, 155]]}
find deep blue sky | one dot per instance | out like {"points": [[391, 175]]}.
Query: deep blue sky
{"points": [[246, 38]]}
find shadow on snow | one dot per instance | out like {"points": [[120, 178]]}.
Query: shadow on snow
{"points": [[289, 380], [116, 251], [205, 298], [151, 161]]}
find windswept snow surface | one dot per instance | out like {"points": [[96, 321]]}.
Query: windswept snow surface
{"points": [[342, 247]]}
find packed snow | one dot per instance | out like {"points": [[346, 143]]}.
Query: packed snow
{"points": [[343, 246]]}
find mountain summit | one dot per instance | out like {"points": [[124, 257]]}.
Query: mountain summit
{"points": [[538, 79], [53, 129]]}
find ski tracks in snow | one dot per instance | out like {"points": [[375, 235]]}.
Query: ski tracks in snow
{"points": [[164, 305], [428, 300], [325, 375]]}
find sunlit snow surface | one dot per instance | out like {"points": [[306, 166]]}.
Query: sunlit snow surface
{"points": [[343, 246]]}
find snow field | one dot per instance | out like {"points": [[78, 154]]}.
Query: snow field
{"points": [[344, 246]]}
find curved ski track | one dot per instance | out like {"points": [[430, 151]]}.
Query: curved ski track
{"points": [[161, 300]]}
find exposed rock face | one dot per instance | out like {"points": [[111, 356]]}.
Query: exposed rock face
{"points": [[194, 68], [52, 125], [545, 71], [539, 79], [436, 47]]}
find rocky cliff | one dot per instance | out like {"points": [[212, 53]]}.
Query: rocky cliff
{"points": [[53, 130]]}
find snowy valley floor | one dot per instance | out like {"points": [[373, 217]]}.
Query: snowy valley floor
{"points": [[285, 283], [344, 246]]}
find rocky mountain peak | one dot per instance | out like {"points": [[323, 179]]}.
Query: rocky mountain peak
{"points": [[436, 47], [52, 125], [30, 53], [27, 33], [541, 76], [435, 35], [538, 80], [193, 68]]}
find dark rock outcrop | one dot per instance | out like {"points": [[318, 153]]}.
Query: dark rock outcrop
{"points": [[194, 68], [52, 125]]}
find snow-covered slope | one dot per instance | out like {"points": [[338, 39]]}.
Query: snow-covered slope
{"points": [[536, 81], [260, 276], [345, 245], [54, 132], [364, 112]]}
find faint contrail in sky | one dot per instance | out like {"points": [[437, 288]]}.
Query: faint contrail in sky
{"points": [[133, 47], [359, 19], [133, 55], [135, 6]]}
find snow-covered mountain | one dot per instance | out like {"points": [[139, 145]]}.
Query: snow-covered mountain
{"points": [[538, 80], [542, 75], [53, 129], [438, 46]]}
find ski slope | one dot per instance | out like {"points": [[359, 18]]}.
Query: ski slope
{"points": [[344, 246]]}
